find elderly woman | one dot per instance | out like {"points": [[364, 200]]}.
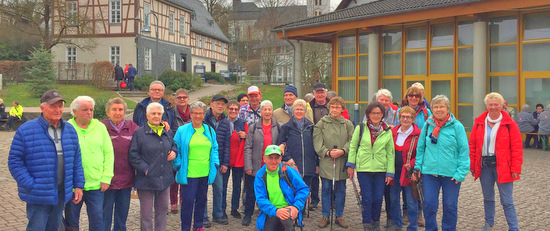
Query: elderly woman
{"points": [[197, 165], [296, 137], [405, 138], [97, 161], [118, 195], [238, 131], [492, 163], [260, 135], [182, 116], [372, 155], [331, 138], [413, 98], [151, 153], [442, 159]]}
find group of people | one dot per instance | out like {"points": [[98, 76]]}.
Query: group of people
{"points": [[15, 114], [171, 153], [126, 75], [535, 122]]}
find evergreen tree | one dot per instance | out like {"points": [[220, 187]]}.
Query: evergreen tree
{"points": [[41, 73]]}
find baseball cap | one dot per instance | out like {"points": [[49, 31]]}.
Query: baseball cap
{"points": [[319, 86], [272, 149], [253, 90], [218, 97], [51, 97]]}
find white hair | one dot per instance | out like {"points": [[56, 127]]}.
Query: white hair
{"points": [[197, 105], [441, 98], [156, 82], [384, 92], [75, 105], [266, 103], [525, 107], [154, 105]]}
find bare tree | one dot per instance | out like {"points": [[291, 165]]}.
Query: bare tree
{"points": [[317, 60]]}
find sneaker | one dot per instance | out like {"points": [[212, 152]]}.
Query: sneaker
{"points": [[198, 229], [220, 220], [487, 227], [235, 213], [174, 209], [323, 222], [341, 222], [206, 223], [246, 220], [376, 226], [405, 217], [421, 221], [313, 206]]}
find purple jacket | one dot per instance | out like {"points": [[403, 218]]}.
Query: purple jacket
{"points": [[124, 172]]}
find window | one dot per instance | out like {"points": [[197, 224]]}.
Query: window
{"points": [[441, 54], [72, 13], [202, 42], [71, 57], [114, 16], [146, 11], [465, 74], [148, 62], [197, 41], [173, 61], [536, 42], [115, 55], [415, 53], [391, 58], [171, 24], [182, 26]]}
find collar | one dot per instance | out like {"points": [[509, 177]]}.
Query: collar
{"points": [[406, 133]]}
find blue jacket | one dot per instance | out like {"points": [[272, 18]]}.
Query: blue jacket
{"points": [[450, 157], [140, 117], [132, 71], [419, 120], [181, 163], [223, 137], [297, 199], [33, 162], [299, 146]]}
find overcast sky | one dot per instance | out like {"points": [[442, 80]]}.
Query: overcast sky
{"points": [[333, 3]]}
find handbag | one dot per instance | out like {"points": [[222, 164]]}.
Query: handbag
{"points": [[416, 185]]}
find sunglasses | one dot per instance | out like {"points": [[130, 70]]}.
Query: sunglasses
{"points": [[414, 96]]}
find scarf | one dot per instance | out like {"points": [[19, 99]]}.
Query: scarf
{"points": [[489, 148], [375, 130], [439, 124], [300, 123], [185, 115]]}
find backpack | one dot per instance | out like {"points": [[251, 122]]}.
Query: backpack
{"points": [[284, 175]]}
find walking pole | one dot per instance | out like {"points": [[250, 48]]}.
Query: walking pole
{"points": [[357, 194], [333, 198]]}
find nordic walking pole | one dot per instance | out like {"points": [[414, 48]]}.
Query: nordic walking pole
{"points": [[333, 196]]}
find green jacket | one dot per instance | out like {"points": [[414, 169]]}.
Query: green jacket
{"points": [[379, 157], [97, 154], [330, 132], [17, 111]]}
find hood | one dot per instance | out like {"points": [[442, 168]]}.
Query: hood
{"points": [[329, 119]]}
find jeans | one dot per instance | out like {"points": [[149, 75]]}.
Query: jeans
{"points": [[193, 195], [340, 197], [488, 179], [528, 138], [120, 198], [372, 192], [217, 197], [276, 224], [395, 209], [174, 192], [250, 199], [94, 208], [314, 189], [131, 83], [46, 217], [237, 177], [159, 199], [432, 185]]}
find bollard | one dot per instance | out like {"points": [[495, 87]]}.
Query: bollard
{"points": [[356, 113]]}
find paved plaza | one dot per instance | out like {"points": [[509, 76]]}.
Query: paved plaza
{"points": [[532, 200]]}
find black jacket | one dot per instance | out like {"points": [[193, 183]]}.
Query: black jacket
{"points": [[299, 146], [119, 73], [223, 137]]}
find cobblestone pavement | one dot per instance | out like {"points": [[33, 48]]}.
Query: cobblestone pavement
{"points": [[532, 201]]}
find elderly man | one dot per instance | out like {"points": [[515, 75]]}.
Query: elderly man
{"points": [[280, 191], [156, 92], [216, 119], [544, 126], [282, 114], [119, 193], [45, 162], [251, 112], [97, 162], [527, 124], [132, 72], [119, 76]]}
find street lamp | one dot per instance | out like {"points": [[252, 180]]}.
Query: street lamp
{"points": [[146, 29], [138, 21]]}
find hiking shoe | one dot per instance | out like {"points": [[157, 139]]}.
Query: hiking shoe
{"points": [[405, 217], [487, 227], [198, 229], [246, 220], [220, 220], [235, 213], [174, 209], [313, 206], [206, 223], [421, 221], [323, 222], [341, 222], [376, 226]]}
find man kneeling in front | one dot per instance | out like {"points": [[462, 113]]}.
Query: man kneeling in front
{"points": [[280, 192]]}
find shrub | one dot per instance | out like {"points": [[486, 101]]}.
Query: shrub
{"points": [[102, 72], [12, 71], [41, 73], [214, 76], [143, 82], [234, 78], [99, 108], [173, 80]]}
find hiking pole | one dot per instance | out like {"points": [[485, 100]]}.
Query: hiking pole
{"points": [[333, 196], [357, 195]]}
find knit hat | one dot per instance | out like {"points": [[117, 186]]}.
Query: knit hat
{"points": [[292, 89]]}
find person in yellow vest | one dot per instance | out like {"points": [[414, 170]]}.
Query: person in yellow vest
{"points": [[16, 113]]}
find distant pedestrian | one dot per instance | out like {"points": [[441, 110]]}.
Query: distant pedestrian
{"points": [[527, 124], [132, 72], [544, 127], [2, 109], [15, 114], [119, 76], [45, 162]]}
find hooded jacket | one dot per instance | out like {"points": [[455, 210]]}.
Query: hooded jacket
{"points": [[254, 146], [299, 146], [330, 132], [369, 157], [508, 147], [405, 151], [450, 156], [140, 117], [33, 151], [526, 122], [123, 171]]}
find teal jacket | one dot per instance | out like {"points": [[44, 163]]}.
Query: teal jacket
{"points": [[181, 163], [450, 157], [379, 157]]}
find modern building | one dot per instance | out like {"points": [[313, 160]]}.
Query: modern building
{"points": [[460, 48], [153, 35]]}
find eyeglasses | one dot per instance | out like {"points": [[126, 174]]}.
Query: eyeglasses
{"points": [[182, 97], [406, 117], [233, 109], [376, 113], [198, 113], [335, 107], [157, 90], [414, 96]]}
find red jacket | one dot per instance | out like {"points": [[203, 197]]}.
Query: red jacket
{"points": [[508, 148], [236, 149], [405, 150], [345, 113]]}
